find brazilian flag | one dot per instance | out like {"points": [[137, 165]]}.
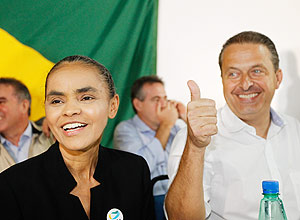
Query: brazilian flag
{"points": [[120, 34]]}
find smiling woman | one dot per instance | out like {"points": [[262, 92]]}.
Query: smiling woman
{"points": [[77, 178]]}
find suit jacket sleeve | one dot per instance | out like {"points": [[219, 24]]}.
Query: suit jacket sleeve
{"points": [[9, 207]]}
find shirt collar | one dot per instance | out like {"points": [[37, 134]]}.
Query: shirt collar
{"points": [[141, 125], [276, 119], [230, 120], [28, 131], [234, 124], [26, 134], [2, 140], [143, 128]]}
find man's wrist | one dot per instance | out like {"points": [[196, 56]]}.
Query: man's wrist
{"points": [[166, 125], [193, 148]]}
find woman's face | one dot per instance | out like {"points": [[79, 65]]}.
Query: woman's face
{"points": [[78, 106]]}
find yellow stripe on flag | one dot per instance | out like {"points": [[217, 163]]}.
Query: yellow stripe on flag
{"points": [[27, 65]]}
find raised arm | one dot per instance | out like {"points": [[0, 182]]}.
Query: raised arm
{"points": [[167, 117], [185, 199]]}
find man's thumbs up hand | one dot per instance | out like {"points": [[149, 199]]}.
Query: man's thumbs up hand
{"points": [[201, 117], [195, 90]]}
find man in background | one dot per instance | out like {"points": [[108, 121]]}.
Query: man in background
{"points": [[20, 138], [219, 177], [151, 131]]}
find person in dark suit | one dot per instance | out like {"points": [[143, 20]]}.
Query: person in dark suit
{"points": [[77, 178]]}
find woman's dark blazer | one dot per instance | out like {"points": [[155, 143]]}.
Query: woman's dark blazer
{"points": [[39, 188]]}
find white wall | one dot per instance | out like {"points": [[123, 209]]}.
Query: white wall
{"points": [[192, 32]]}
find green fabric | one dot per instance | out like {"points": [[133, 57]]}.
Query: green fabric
{"points": [[121, 34]]}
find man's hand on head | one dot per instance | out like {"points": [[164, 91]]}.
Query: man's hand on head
{"points": [[181, 108], [201, 118], [167, 115]]}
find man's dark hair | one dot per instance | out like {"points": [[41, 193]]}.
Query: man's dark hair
{"points": [[21, 91], [254, 38], [137, 87], [103, 71]]}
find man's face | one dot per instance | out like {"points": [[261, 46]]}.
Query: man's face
{"points": [[249, 79], [147, 109], [11, 109]]}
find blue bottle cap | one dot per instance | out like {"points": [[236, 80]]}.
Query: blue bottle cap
{"points": [[270, 187]]}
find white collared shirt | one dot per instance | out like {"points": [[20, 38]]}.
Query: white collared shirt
{"points": [[237, 161]]}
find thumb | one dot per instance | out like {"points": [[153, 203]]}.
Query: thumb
{"points": [[194, 89]]}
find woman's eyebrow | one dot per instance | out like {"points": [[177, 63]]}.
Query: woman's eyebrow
{"points": [[55, 93], [78, 91], [86, 89]]}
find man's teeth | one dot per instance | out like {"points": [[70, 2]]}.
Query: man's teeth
{"points": [[73, 126], [249, 96]]}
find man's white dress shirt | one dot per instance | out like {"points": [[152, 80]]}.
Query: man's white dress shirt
{"points": [[237, 161]]}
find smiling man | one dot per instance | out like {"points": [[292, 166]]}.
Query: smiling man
{"points": [[20, 138], [224, 172]]}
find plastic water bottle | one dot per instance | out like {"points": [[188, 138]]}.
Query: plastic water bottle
{"points": [[271, 206]]}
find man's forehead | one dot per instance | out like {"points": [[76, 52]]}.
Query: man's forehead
{"points": [[242, 48], [246, 54], [6, 90], [153, 90], [154, 86], [7, 86]]}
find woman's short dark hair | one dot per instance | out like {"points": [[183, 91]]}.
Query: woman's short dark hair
{"points": [[255, 38], [103, 71]]}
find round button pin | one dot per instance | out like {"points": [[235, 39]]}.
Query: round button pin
{"points": [[114, 214]]}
